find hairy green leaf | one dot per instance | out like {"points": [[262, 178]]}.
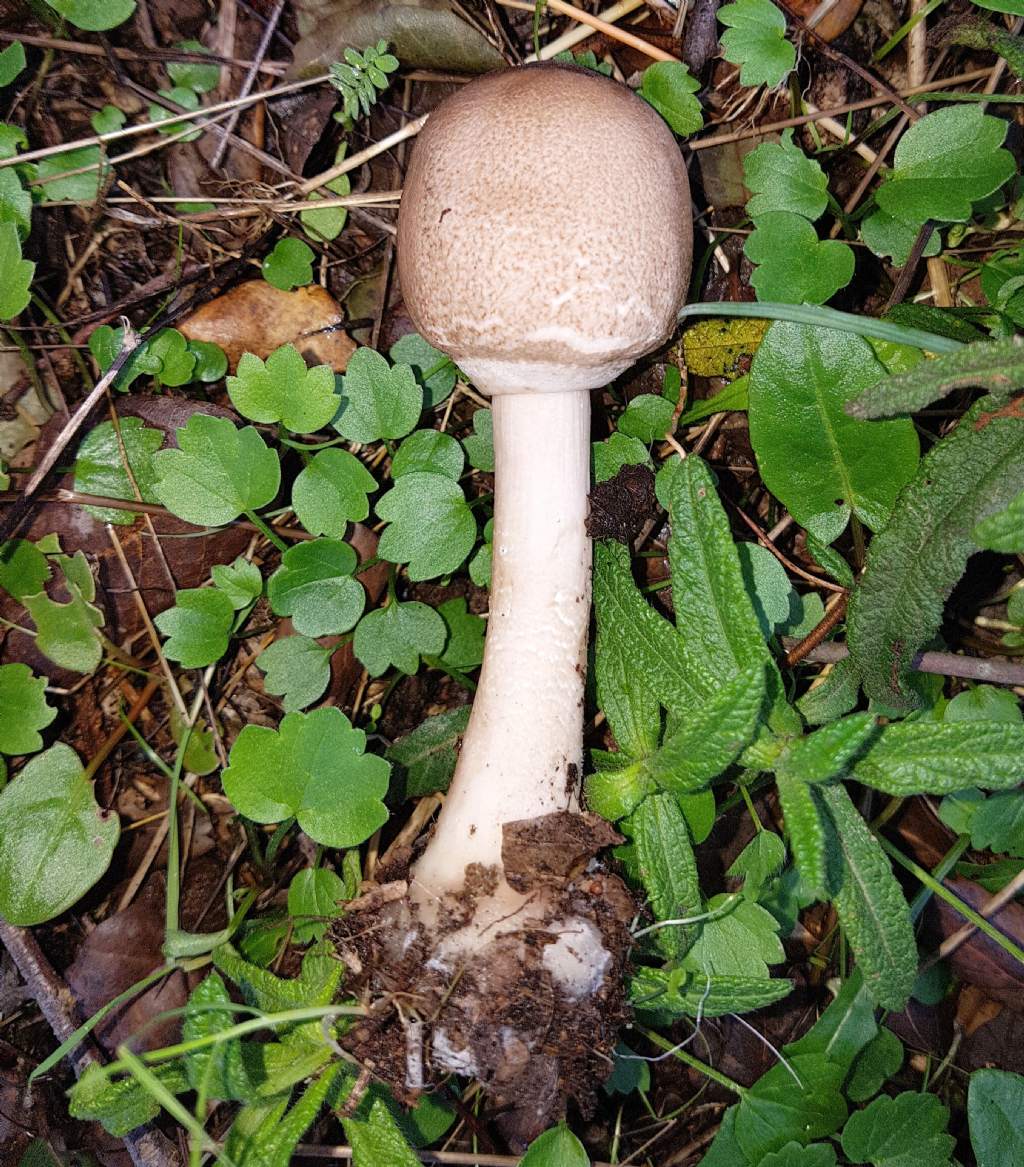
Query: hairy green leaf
{"points": [[283, 389], [794, 265], [289, 265], [669, 994], [314, 586], [378, 400], [296, 668], [331, 492], [428, 754], [399, 635], [197, 626], [666, 867], [804, 829], [995, 1099], [1003, 531], [756, 40], [430, 526], [782, 178], [906, 1131]]}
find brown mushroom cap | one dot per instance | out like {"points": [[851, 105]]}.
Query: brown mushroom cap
{"points": [[545, 236]]}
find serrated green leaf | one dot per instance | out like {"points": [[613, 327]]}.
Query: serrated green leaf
{"points": [[55, 840], [314, 586], [804, 829], [666, 994], [480, 443], [313, 768], [271, 1142], [15, 273], [759, 861], [430, 526], [399, 635], [829, 751], [1003, 531], [240, 581], [743, 941], [23, 568], [121, 1104], [283, 389], [667, 869], [429, 452], [618, 450], [780, 1108], [428, 754], [914, 563], [198, 627], [817, 460], [997, 823], [99, 467], [871, 907], [332, 492], [756, 41], [781, 177], [296, 668], [906, 1131], [994, 1102], [218, 1069], [174, 361], [94, 15], [314, 898], [928, 757], [647, 417], [23, 710], [669, 87], [944, 162], [436, 372], [996, 366], [377, 1139], [289, 265], [880, 1059], [378, 401], [217, 472], [794, 265]]}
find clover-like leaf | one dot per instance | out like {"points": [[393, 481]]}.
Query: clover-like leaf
{"points": [[289, 265], [794, 265], [756, 41], [313, 768], [68, 633], [431, 527], [184, 97], [944, 163], [669, 87], [314, 897], [886, 234], [647, 417], [15, 273], [297, 669], [108, 119], [399, 635], [217, 473], [240, 581], [378, 401], [23, 710], [314, 586], [332, 492], [480, 443], [464, 649], [283, 389], [198, 626], [100, 469], [782, 178], [55, 840], [433, 370]]}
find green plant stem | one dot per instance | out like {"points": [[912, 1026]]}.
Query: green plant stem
{"points": [[265, 530], [691, 1061], [819, 317], [954, 901], [905, 29], [941, 869], [153, 1086]]}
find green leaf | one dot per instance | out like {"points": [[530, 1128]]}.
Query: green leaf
{"points": [[715, 348], [193, 74], [433, 370], [742, 942], [779, 1109], [914, 563], [312, 768], [216, 473], [630, 1072], [57, 182], [430, 526], [886, 234], [880, 1059], [23, 568], [68, 633], [618, 450], [647, 417], [211, 362], [667, 869], [55, 840], [15, 273], [702, 742], [829, 751], [327, 223], [928, 757], [817, 460], [804, 829], [846, 1027], [314, 892], [15, 201], [759, 861], [23, 710], [399, 635], [289, 265], [283, 389], [768, 586], [464, 649], [99, 467], [174, 362], [906, 1131], [271, 1139], [667, 994], [378, 401], [996, 366], [297, 668], [121, 1104], [782, 178], [108, 119], [429, 452], [994, 1102], [332, 492], [12, 139], [1003, 531], [12, 62], [94, 15], [998, 823], [558, 1147], [198, 626], [240, 581], [377, 1139], [944, 162], [314, 586], [871, 907], [794, 1155], [217, 1069], [794, 265], [480, 443], [756, 40], [428, 754], [669, 87], [185, 99]]}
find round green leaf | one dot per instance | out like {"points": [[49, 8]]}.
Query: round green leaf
{"points": [[332, 492], [430, 452], [23, 710], [314, 586], [431, 527], [289, 265]]}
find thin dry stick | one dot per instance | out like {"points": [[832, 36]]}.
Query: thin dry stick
{"points": [[595, 22], [572, 37], [942, 664], [989, 908], [410, 130], [247, 84]]}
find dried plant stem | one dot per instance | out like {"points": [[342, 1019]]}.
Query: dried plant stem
{"points": [[598, 24], [943, 664]]}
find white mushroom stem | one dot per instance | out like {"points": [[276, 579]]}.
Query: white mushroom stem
{"points": [[522, 752]]}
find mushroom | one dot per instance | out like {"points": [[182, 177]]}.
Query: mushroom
{"points": [[544, 244]]}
